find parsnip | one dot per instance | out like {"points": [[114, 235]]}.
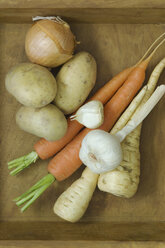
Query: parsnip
{"points": [[122, 121], [124, 180], [72, 203]]}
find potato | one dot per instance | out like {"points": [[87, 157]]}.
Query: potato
{"points": [[31, 84], [75, 80], [47, 122]]}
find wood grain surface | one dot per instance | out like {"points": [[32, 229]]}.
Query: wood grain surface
{"points": [[100, 11], [85, 15], [86, 231], [82, 4], [115, 47], [81, 244]]}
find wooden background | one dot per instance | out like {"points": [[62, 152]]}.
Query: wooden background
{"points": [[81, 244], [100, 11], [115, 47], [82, 4]]}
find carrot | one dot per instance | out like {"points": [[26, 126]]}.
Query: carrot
{"points": [[67, 161], [45, 149]]}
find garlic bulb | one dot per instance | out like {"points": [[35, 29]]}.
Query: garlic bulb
{"points": [[100, 151], [49, 42], [91, 114]]}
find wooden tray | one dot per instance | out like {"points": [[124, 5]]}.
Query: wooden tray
{"points": [[80, 244], [116, 33]]}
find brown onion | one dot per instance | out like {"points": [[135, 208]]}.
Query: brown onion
{"points": [[49, 43]]}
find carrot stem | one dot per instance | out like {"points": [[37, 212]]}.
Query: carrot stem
{"points": [[151, 47], [23, 162], [145, 62], [34, 192], [153, 52]]}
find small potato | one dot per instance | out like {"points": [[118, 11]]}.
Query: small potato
{"points": [[31, 84], [47, 122], [75, 80]]}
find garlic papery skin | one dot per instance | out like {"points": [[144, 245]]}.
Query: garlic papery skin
{"points": [[91, 114], [100, 151], [49, 42]]}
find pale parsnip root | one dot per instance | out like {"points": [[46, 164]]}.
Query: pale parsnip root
{"points": [[72, 203], [129, 111], [142, 113], [124, 180]]}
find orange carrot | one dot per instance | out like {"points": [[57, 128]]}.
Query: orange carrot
{"points": [[45, 149], [67, 161]]}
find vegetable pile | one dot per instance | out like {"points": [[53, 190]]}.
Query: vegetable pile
{"points": [[112, 159]]}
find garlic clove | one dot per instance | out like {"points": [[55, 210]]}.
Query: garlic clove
{"points": [[100, 151], [91, 114]]}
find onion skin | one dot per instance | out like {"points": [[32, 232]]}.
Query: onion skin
{"points": [[49, 43]]}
